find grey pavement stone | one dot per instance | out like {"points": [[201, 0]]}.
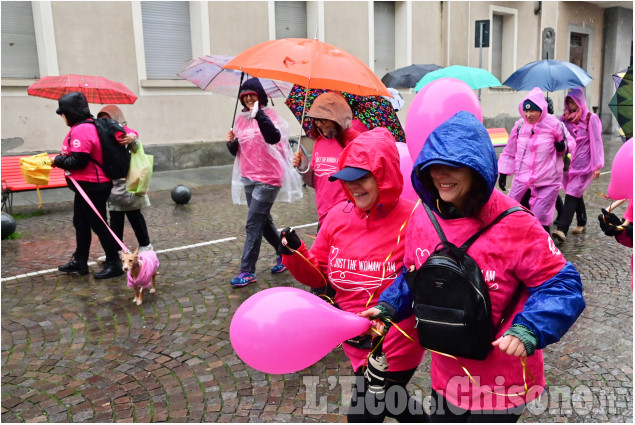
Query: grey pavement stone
{"points": [[77, 350]]}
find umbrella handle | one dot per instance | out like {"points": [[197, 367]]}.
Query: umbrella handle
{"points": [[242, 75], [306, 95]]}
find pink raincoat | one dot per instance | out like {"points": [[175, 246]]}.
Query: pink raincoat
{"points": [[589, 150], [360, 252], [622, 237], [324, 163], [531, 156], [260, 161]]}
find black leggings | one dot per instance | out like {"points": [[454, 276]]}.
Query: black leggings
{"points": [[364, 408], [443, 411], [85, 220], [572, 205], [137, 222]]}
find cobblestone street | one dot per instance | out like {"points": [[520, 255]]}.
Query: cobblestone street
{"points": [[75, 349]]}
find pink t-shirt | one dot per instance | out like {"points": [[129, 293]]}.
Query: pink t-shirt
{"points": [[84, 138], [324, 163]]}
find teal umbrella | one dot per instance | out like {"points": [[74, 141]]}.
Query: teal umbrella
{"points": [[474, 77]]}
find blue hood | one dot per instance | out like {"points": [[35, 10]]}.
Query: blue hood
{"points": [[461, 141]]}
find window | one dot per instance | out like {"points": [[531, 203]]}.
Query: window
{"points": [[19, 47], [384, 37], [167, 37], [503, 39], [291, 19]]}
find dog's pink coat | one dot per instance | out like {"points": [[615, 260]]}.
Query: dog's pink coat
{"points": [[149, 264]]}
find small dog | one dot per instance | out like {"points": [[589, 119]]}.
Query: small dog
{"points": [[142, 268]]}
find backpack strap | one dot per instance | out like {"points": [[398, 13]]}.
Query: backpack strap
{"points": [[435, 223], [502, 215]]}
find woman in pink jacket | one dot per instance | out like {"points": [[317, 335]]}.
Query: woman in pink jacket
{"points": [[535, 294], [586, 164], [534, 154], [359, 252], [333, 120]]}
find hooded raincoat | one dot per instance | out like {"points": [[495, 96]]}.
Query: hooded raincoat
{"points": [[589, 150], [331, 106], [531, 156], [360, 252], [516, 251]]}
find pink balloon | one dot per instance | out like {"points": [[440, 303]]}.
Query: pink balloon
{"points": [[405, 163], [621, 184], [284, 330], [435, 104]]}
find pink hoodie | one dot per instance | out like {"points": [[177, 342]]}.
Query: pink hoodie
{"points": [[531, 156], [361, 252], [589, 150], [523, 252], [149, 263], [324, 163]]}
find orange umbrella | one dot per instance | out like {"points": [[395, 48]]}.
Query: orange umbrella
{"points": [[311, 64]]}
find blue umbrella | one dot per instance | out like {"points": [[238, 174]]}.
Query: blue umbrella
{"points": [[548, 75]]}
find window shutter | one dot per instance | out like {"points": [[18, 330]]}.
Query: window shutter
{"points": [[19, 49], [384, 37], [290, 19], [167, 39]]}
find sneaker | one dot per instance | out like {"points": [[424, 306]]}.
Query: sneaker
{"points": [[148, 247], [558, 235], [578, 230], [279, 267], [243, 279]]}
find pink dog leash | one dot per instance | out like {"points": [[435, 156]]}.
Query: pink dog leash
{"points": [[87, 199]]}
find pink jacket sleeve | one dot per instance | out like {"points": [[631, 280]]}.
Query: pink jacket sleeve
{"points": [[507, 159], [310, 267], [596, 145]]}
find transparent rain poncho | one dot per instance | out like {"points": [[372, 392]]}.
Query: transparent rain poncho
{"points": [[259, 161]]}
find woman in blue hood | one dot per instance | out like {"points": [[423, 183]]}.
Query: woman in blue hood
{"points": [[530, 284]]}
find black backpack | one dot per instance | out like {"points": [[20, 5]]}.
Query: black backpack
{"points": [[116, 157], [451, 300]]}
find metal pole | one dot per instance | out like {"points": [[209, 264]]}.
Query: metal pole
{"points": [[480, 52]]}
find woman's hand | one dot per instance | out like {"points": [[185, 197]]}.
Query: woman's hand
{"points": [[127, 139], [596, 174], [511, 345], [377, 325], [230, 136], [298, 157]]}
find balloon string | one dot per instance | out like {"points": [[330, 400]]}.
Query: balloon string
{"points": [[467, 372], [294, 251], [383, 269]]}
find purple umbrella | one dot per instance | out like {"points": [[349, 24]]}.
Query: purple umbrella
{"points": [[208, 74]]}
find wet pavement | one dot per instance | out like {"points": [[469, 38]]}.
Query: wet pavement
{"points": [[75, 349]]}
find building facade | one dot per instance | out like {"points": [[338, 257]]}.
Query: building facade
{"points": [[143, 44]]}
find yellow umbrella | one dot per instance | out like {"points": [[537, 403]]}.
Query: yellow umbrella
{"points": [[36, 170]]}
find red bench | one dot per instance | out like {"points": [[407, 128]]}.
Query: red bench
{"points": [[13, 180]]}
